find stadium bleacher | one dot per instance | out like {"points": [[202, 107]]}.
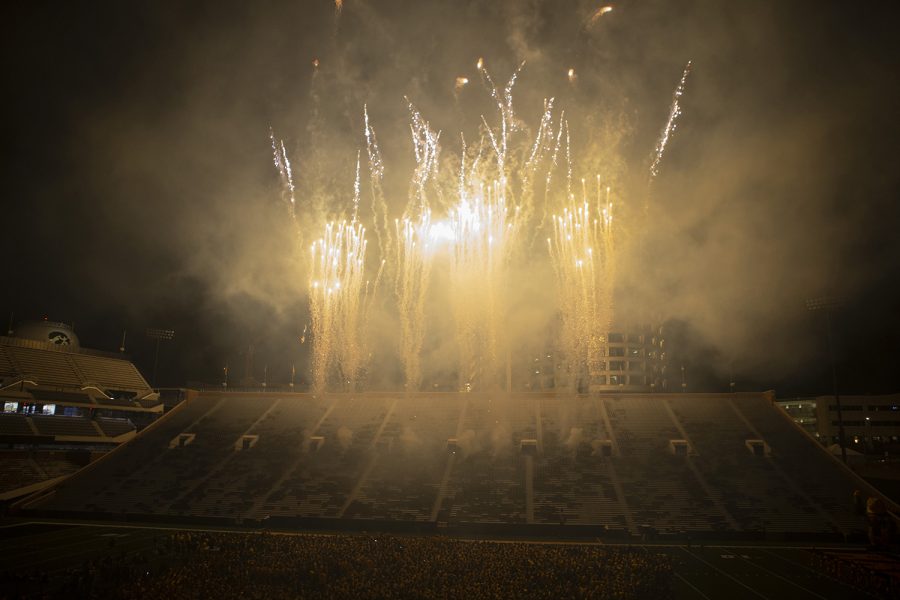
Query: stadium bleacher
{"points": [[13, 424], [613, 462], [65, 426], [63, 374]]}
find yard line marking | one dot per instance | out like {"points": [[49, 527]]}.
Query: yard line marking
{"points": [[728, 575]]}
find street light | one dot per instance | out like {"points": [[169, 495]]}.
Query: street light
{"points": [[825, 304], [158, 335]]}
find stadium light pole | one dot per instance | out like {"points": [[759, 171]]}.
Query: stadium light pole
{"points": [[825, 304], [158, 335]]}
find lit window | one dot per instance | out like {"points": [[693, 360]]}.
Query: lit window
{"points": [[10, 407], [49, 409]]}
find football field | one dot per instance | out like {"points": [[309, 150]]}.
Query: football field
{"points": [[734, 572]]}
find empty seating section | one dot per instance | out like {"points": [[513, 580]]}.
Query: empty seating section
{"points": [[823, 481], [45, 367], [487, 481], [659, 487], [21, 469], [14, 425], [322, 481], [6, 367], [573, 481], [115, 427], [102, 485], [411, 459], [244, 478], [110, 373], [17, 472], [116, 402], [54, 396], [380, 456], [63, 369], [65, 426], [753, 490], [178, 469]]}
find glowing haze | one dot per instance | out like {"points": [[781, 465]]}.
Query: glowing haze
{"points": [[141, 144], [483, 207]]}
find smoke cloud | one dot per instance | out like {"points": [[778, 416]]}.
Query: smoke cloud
{"points": [[157, 171]]}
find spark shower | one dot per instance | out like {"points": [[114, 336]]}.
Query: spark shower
{"points": [[516, 193]]}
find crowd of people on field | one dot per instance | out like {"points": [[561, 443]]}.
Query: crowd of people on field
{"points": [[200, 565], [877, 574]]}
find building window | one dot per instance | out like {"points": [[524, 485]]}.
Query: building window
{"points": [[617, 351], [635, 352], [635, 365], [10, 407], [49, 409], [616, 338], [617, 365]]}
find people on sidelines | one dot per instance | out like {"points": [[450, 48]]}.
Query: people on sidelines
{"points": [[200, 565]]}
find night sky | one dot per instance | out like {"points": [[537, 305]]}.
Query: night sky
{"points": [[140, 190]]}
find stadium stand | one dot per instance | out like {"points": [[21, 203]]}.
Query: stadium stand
{"points": [[115, 427], [65, 426], [15, 425], [637, 465], [66, 373], [28, 469]]}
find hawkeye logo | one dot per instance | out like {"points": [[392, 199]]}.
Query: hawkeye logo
{"points": [[59, 338]]}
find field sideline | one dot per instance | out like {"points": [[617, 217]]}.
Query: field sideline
{"points": [[708, 571]]}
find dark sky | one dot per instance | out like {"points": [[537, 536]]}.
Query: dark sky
{"points": [[140, 190]]}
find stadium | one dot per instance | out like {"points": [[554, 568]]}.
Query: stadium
{"points": [[476, 299], [633, 470]]}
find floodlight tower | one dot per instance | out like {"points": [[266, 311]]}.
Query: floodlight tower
{"points": [[158, 335], [825, 304]]}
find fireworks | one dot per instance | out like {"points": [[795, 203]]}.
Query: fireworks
{"points": [[671, 124], [337, 295], [595, 16], [582, 250], [482, 207], [415, 253], [283, 165]]}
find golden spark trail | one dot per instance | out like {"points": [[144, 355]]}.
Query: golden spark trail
{"points": [[414, 249], [595, 16], [283, 165], [336, 296], [415, 254], [671, 123], [483, 207], [582, 252], [376, 179]]}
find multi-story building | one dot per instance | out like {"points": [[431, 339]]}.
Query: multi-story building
{"points": [[634, 361], [871, 423]]}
